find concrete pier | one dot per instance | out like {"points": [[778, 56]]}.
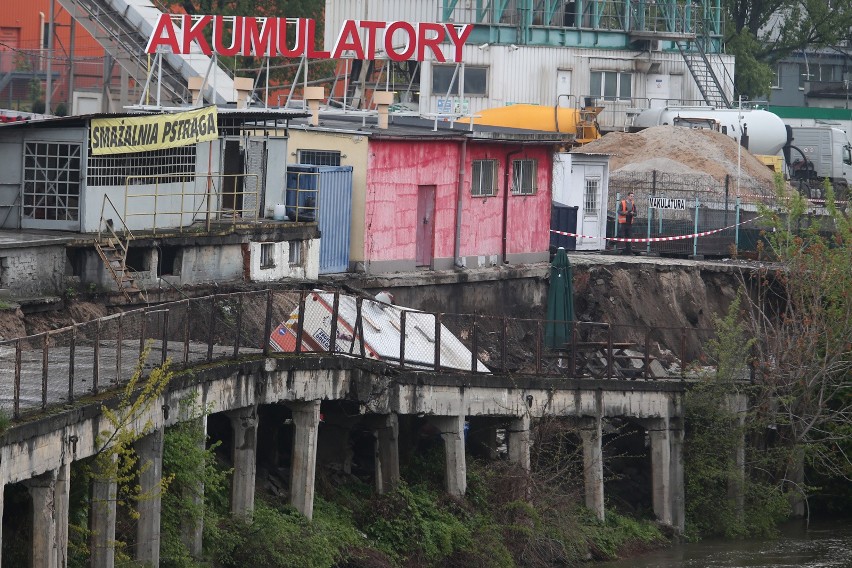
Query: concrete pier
{"points": [[452, 432], [244, 424], [192, 529], [102, 521], [150, 452], [62, 498], [387, 454], [518, 434], [593, 478], [42, 489], [304, 462], [678, 496], [661, 481]]}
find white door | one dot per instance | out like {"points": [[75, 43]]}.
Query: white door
{"points": [[563, 87], [657, 89], [591, 214]]}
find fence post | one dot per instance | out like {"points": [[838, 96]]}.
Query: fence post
{"points": [[118, 348], [646, 371], [438, 342], [683, 352], [165, 339], [44, 369], [504, 332], [727, 195], [574, 349], [335, 314], [96, 366], [212, 324], [71, 356], [609, 352], [538, 326], [402, 339], [267, 324], [186, 333], [359, 324], [239, 326], [16, 401], [737, 226], [695, 238], [300, 324], [617, 224], [475, 347]]}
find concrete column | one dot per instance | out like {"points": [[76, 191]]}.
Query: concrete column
{"points": [[43, 492], [61, 498], [387, 455], [678, 497], [661, 470], [304, 463], [591, 433], [244, 423], [150, 452], [738, 406], [193, 528], [2, 492], [102, 521], [455, 473], [518, 435]]}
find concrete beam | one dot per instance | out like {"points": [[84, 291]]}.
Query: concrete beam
{"points": [[591, 433], [102, 521], [42, 489], [455, 472], [150, 451], [244, 424], [304, 462], [387, 455]]}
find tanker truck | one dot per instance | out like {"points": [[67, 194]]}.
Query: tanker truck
{"points": [[812, 154]]}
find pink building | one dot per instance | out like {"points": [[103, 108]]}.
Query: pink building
{"points": [[439, 198]]}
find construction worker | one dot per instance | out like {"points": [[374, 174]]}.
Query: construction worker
{"points": [[626, 214]]}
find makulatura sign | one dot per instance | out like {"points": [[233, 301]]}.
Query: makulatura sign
{"points": [[296, 37], [675, 204], [152, 132]]}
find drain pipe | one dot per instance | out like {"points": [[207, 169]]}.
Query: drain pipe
{"points": [[459, 200], [506, 170]]}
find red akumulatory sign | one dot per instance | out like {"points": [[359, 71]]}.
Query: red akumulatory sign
{"points": [[294, 37]]}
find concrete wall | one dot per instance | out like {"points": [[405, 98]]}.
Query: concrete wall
{"points": [[33, 271], [305, 266]]}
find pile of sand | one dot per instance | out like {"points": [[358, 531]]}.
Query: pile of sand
{"points": [[679, 150]]}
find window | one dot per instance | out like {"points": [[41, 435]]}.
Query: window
{"points": [[776, 76], [847, 155], [267, 255], [295, 252], [475, 80], [484, 178], [524, 177], [320, 157], [52, 181], [611, 85], [590, 196], [171, 165]]}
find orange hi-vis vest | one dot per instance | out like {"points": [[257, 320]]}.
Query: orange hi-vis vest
{"points": [[624, 210]]}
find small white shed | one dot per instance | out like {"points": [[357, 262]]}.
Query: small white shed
{"points": [[582, 181]]}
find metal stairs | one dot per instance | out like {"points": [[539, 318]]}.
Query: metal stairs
{"points": [[122, 28], [701, 69], [112, 248]]}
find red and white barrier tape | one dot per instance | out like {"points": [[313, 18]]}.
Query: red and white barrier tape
{"points": [[655, 239]]}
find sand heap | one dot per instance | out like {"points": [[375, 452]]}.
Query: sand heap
{"points": [[679, 150]]}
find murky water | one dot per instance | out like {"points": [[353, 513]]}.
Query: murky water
{"points": [[822, 545]]}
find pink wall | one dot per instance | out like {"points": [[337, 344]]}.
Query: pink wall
{"points": [[396, 169]]}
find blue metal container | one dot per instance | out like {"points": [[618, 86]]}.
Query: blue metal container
{"points": [[330, 189]]}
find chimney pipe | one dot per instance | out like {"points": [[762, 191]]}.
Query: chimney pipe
{"points": [[313, 95], [383, 100]]}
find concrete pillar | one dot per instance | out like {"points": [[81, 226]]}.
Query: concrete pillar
{"points": [[676, 435], [43, 492], [661, 470], [304, 463], [2, 493], [518, 435], [244, 423], [387, 455], [738, 406], [150, 451], [102, 521], [455, 473], [193, 528], [591, 433], [61, 498]]}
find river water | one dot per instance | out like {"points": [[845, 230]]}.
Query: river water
{"points": [[821, 545]]}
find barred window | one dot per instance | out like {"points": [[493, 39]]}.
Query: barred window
{"points": [[170, 165], [52, 181], [267, 255], [524, 177], [590, 196], [484, 179], [320, 157]]}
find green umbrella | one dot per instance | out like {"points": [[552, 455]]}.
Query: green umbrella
{"points": [[560, 302]]}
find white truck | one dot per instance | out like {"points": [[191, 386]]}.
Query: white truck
{"points": [[816, 153]]}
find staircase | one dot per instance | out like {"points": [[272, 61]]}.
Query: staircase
{"points": [[122, 28], [112, 248], [701, 69]]}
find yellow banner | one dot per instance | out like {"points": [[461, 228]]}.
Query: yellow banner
{"points": [[144, 133]]}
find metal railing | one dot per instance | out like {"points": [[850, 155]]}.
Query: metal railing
{"points": [[177, 201], [63, 365]]}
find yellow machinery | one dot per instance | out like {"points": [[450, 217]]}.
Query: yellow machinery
{"points": [[582, 122]]}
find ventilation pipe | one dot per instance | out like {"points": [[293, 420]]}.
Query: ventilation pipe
{"points": [[313, 96], [383, 100]]}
